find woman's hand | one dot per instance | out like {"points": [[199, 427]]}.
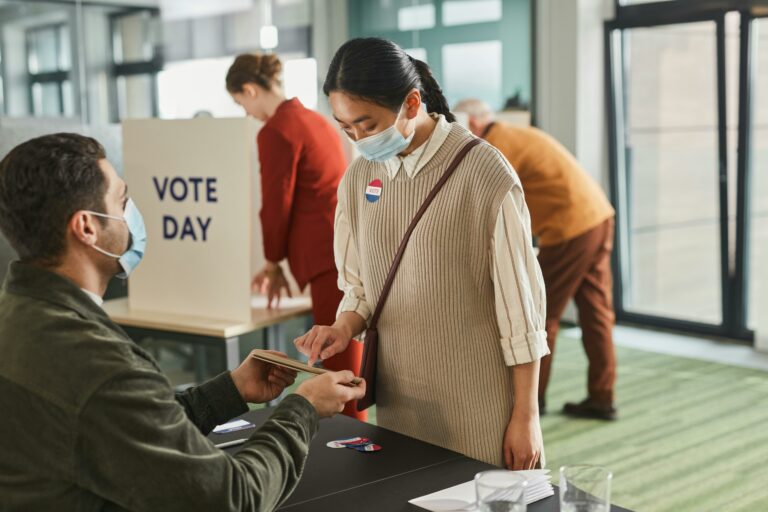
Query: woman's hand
{"points": [[271, 281], [323, 341], [259, 382], [523, 442]]}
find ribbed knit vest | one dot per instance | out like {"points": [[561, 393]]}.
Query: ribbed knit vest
{"points": [[441, 372]]}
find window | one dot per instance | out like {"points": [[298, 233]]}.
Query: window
{"points": [[136, 62], [688, 160], [758, 222], [465, 12], [2, 92], [49, 61], [473, 69]]}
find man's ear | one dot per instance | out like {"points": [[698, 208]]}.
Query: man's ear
{"points": [[474, 126], [82, 227]]}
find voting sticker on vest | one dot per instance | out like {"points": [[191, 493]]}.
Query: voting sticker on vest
{"points": [[373, 191]]}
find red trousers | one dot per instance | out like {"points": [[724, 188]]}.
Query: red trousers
{"points": [[580, 268], [326, 297]]}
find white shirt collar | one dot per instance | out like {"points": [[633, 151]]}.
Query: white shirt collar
{"points": [[98, 300], [416, 160]]}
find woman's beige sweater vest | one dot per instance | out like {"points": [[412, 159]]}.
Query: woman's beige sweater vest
{"points": [[441, 374]]}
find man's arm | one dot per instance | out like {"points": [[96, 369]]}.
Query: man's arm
{"points": [[212, 403], [136, 447]]}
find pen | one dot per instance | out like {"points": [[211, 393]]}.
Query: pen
{"points": [[231, 443]]}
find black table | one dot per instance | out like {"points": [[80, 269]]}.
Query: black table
{"points": [[345, 480]]}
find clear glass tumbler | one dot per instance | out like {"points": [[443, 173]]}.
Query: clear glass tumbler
{"points": [[585, 488], [500, 491]]}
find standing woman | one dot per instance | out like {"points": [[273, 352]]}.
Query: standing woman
{"points": [[462, 332], [302, 162]]}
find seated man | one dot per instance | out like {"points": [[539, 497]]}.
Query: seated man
{"points": [[90, 422]]}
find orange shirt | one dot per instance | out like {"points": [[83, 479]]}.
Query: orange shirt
{"points": [[563, 199]]}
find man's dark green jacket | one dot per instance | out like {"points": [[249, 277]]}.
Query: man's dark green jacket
{"points": [[89, 422]]}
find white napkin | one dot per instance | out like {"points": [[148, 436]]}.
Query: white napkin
{"points": [[460, 498], [230, 425]]}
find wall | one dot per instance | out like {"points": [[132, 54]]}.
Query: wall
{"points": [[473, 46], [570, 91], [570, 94]]}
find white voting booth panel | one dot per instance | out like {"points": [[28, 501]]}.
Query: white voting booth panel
{"points": [[193, 181]]}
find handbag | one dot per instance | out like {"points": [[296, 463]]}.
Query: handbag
{"points": [[371, 338]]}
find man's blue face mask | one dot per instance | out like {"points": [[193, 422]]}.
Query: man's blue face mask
{"points": [[130, 259]]}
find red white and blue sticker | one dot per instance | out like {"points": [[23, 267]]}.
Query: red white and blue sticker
{"points": [[352, 441], [373, 191], [360, 444]]}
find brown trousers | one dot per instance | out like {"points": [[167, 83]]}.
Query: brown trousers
{"points": [[580, 268]]}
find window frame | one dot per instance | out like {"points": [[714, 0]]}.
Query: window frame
{"points": [[119, 70], [57, 77], [734, 269]]}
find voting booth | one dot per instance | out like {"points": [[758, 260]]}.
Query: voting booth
{"points": [[196, 184]]}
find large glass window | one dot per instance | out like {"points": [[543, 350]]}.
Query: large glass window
{"points": [[48, 65], [671, 143], [689, 156], [136, 62], [758, 283]]}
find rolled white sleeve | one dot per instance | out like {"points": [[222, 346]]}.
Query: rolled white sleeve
{"points": [[518, 284], [348, 265]]}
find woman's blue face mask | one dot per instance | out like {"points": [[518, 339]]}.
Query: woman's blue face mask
{"points": [[385, 144]]}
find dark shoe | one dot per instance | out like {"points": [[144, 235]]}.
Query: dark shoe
{"points": [[542, 406], [591, 410]]}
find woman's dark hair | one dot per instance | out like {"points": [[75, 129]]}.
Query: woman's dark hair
{"points": [[379, 71], [43, 182], [250, 68]]}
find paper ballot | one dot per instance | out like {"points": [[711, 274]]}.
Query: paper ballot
{"points": [[461, 498], [292, 364]]}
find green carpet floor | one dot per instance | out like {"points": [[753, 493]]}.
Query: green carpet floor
{"points": [[692, 436]]}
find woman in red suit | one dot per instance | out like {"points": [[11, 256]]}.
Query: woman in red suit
{"points": [[302, 162]]}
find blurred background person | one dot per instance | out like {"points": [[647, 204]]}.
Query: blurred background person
{"points": [[574, 223], [302, 162]]}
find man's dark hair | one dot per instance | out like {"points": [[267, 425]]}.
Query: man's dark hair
{"points": [[43, 182]]}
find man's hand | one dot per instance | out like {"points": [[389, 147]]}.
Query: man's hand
{"points": [[260, 382], [329, 392], [271, 281], [322, 342], [523, 442]]}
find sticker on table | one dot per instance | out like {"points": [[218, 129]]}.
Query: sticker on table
{"points": [[342, 443], [373, 191], [368, 447]]}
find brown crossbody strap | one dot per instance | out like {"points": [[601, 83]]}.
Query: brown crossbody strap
{"points": [[404, 243]]}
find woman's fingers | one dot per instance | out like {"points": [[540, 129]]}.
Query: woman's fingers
{"points": [[306, 344], [317, 346], [332, 349]]}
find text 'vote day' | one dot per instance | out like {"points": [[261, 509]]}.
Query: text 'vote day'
{"points": [[186, 189]]}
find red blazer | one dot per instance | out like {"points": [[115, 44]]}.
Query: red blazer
{"points": [[302, 162]]}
